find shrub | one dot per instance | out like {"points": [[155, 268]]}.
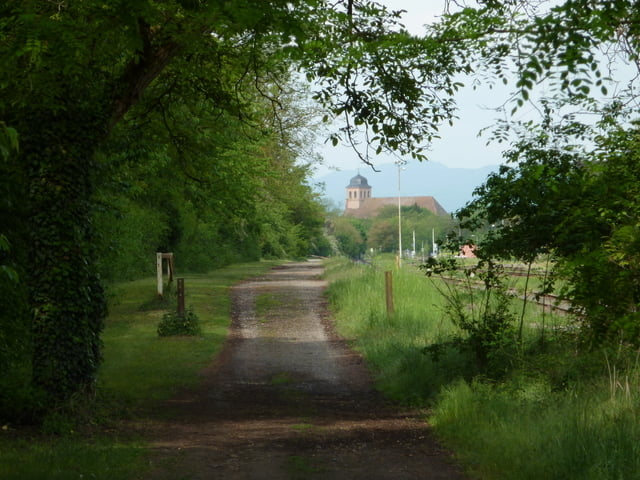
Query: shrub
{"points": [[479, 304], [174, 324]]}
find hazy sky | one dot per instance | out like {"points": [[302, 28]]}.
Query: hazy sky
{"points": [[459, 146]]}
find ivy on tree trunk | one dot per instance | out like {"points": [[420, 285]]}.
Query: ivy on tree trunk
{"points": [[66, 295]]}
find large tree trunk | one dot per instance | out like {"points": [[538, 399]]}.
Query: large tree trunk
{"points": [[58, 150], [66, 295]]}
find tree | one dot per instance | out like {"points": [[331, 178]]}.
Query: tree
{"points": [[72, 71], [14, 326], [562, 188], [602, 264], [418, 221], [580, 207], [167, 168], [567, 45], [383, 235], [9, 147], [540, 184], [349, 238]]}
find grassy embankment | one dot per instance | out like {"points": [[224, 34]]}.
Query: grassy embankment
{"points": [[555, 411], [140, 369]]}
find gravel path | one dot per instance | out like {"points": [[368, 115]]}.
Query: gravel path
{"points": [[287, 399]]}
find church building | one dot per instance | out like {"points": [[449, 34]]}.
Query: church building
{"points": [[361, 204]]}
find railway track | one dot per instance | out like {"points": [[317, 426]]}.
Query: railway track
{"points": [[548, 302]]}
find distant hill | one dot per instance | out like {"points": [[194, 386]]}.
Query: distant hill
{"points": [[452, 187]]}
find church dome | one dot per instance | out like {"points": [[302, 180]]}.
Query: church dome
{"points": [[358, 182]]}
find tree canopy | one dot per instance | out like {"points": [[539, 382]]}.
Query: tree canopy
{"points": [[177, 114], [568, 187], [181, 114]]}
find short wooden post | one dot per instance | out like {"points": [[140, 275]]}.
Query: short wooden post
{"points": [[388, 284], [181, 297], [159, 272]]}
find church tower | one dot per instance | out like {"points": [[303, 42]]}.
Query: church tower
{"points": [[358, 191]]}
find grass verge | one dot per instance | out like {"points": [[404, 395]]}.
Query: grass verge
{"points": [[546, 408], [139, 370]]}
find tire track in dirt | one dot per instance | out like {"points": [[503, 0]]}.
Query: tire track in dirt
{"points": [[287, 399]]}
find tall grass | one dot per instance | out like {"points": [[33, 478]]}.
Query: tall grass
{"points": [[139, 370], [394, 345], [527, 431], [554, 412], [412, 352]]}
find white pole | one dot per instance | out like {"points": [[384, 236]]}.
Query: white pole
{"points": [[433, 243], [413, 251], [399, 220]]}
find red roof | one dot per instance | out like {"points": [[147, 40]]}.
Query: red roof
{"points": [[371, 206]]}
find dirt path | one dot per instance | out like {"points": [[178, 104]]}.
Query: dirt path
{"points": [[288, 400]]}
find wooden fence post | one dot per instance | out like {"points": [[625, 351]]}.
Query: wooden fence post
{"points": [[181, 297], [388, 287]]}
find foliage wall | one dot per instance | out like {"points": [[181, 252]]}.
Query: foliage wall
{"points": [[208, 188]]}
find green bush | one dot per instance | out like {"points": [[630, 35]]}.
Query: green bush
{"points": [[481, 307], [174, 324]]}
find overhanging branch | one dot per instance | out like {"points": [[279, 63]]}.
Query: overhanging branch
{"points": [[140, 72]]}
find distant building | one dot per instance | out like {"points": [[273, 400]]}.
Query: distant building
{"points": [[361, 204], [358, 191], [468, 251]]}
